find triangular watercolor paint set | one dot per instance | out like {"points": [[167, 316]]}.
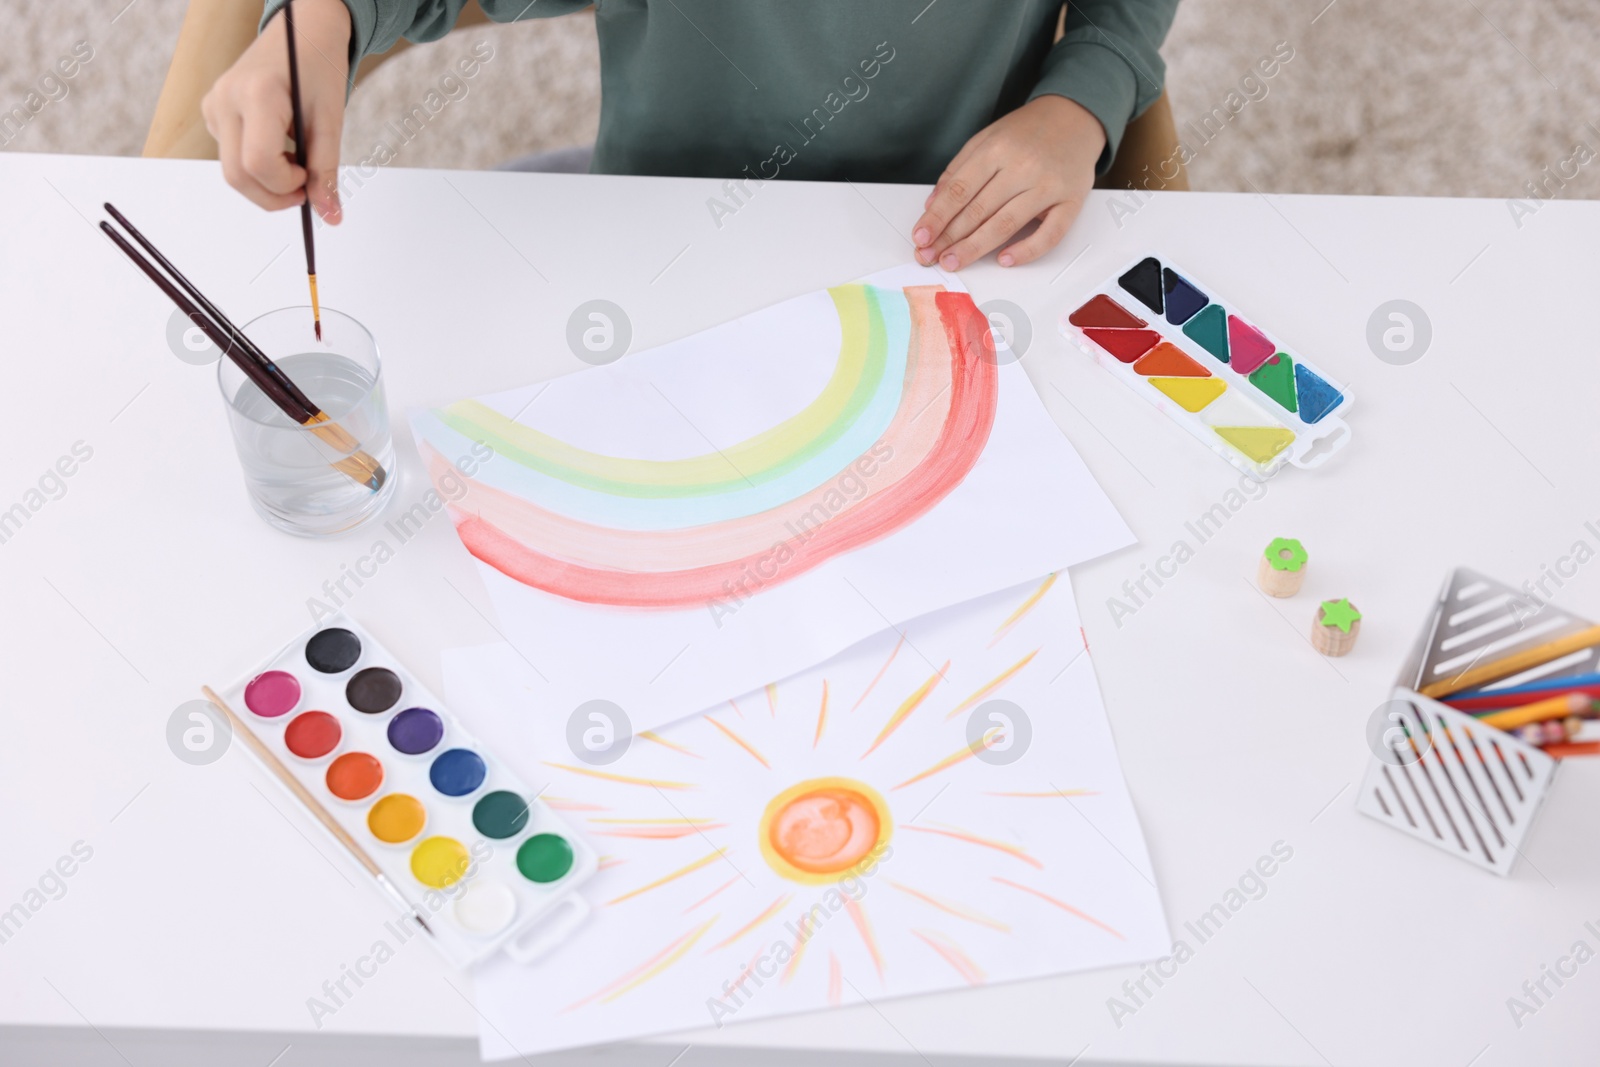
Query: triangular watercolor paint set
{"points": [[468, 857], [1443, 776], [1249, 398]]}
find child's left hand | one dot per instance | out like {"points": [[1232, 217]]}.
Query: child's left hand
{"points": [[1035, 163]]}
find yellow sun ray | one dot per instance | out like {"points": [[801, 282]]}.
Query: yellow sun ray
{"points": [[590, 772], [1049, 793], [605, 863], [963, 753], [741, 742], [1026, 606], [1085, 916], [651, 735], [881, 672], [858, 915], [952, 954], [703, 861], [772, 699], [647, 970], [950, 907], [822, 715], [735, 708], [1016, 851], [771, 910], [990, 686], [907, 706], [711, 894]]}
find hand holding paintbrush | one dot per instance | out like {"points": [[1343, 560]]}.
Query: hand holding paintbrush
{"points": [[251, 109]]}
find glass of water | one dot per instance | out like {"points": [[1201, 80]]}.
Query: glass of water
{"points": [[289, 471]]}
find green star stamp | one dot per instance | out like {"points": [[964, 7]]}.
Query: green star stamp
{"points": [[1337, 625]]}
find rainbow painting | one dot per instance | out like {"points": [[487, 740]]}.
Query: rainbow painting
{"points": [[692, 521], [913, 392], [934, 810]]}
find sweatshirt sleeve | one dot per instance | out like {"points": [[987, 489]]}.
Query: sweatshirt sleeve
{"points": [[1108, 60], [375, 25]]}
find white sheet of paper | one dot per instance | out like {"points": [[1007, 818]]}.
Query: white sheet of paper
{"points": [[993, 872], [1027, 507]]}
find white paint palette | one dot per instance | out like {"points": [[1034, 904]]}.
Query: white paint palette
{"points": [[1242, 393], [464, 841]]}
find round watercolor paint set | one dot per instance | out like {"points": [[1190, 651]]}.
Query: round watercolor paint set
{"points": [[435, 818], [1225, 380]]}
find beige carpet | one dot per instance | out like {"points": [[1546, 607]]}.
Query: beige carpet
{"points": [[1424, 97]]}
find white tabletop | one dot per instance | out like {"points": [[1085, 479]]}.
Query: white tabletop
{"points": [[202, 905]]}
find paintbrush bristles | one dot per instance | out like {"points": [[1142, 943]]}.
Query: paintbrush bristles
{"points": [[316, 307]]}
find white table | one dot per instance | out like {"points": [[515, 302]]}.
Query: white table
{"points": [[202, 907]]}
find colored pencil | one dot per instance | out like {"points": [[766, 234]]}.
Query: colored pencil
{"points": [[1520, 661], [1541, 710], [321, 813], [1573, 748], [1542, 685], [300, 159], [263, 372], [1509, 699]]}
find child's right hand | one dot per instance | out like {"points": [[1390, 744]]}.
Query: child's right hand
{"points": [[249, 113]]}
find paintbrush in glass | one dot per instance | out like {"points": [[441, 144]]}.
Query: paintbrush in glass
{"points": [[262, 372]]}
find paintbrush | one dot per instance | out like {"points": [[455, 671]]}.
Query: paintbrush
{"points": [[302, 794], [235, 334], [300, 159], [261, 371]]}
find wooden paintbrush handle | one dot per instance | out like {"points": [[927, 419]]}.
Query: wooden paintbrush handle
{"points": [[285, 776]]}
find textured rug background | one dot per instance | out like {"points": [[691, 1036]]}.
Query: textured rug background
{"points": [[1425, 97]]}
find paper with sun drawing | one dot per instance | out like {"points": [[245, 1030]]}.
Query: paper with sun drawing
{"points": [[693, 521], [875, 827]]}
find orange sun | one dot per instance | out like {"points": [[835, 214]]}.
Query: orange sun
{"points": [[818, 831]]}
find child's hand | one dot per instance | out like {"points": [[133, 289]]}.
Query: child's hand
{"points": [[1035, 163], [249, 113]]}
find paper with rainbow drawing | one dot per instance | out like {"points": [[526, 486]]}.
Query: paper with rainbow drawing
{"points": [[837, 837], [692, 521]]}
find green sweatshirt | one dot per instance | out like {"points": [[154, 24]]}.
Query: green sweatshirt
{"points": [[865, 90]]}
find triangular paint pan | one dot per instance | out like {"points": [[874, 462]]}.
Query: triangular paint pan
{"points": [[1260, 443], [1105, 312], [1191, 394], [1183, 299], [1168, 360], [1317, 396], [1144, 282], [1248, 346], [1209, 330], [1126, 345], [1275, 378]]}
